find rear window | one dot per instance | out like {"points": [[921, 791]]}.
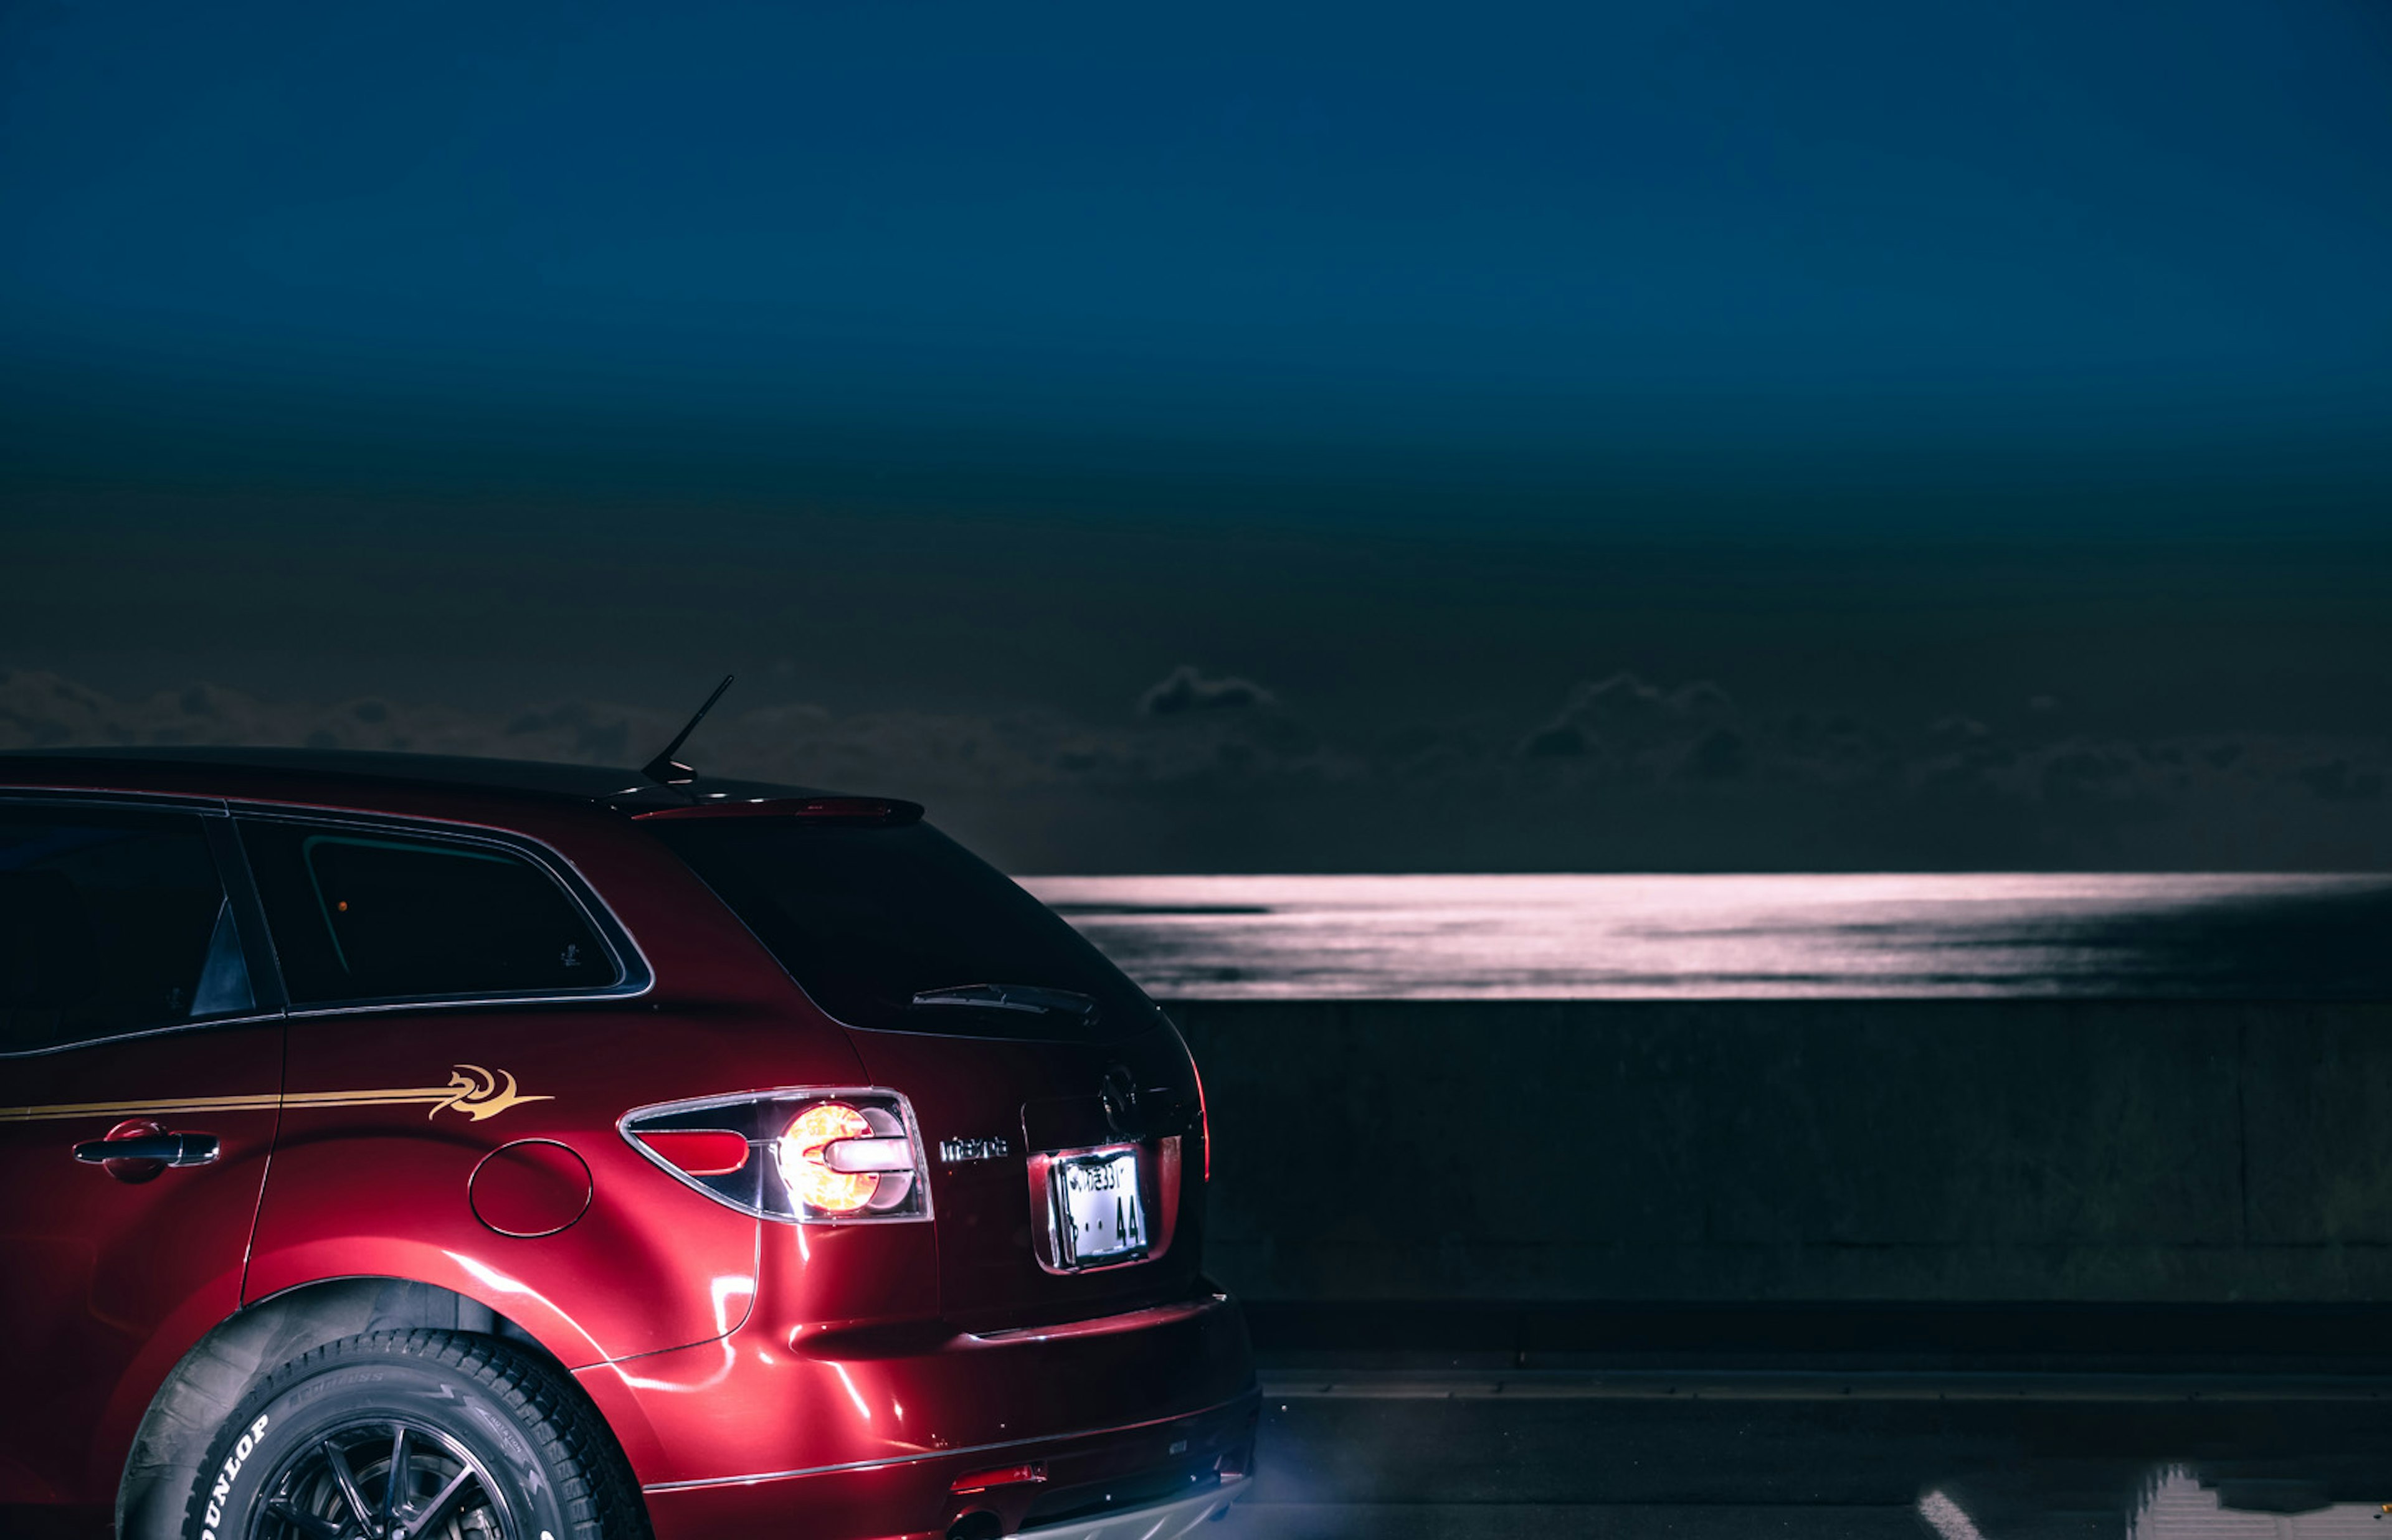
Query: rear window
{"points": [[871, 919], [360, 915], [110, 923]]}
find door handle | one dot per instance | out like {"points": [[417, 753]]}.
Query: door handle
{"points": [[173, 1149]]}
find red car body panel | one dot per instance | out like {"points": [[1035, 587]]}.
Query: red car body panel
{"points": [[609, 1285], [124, 1275], [755, 1372]]}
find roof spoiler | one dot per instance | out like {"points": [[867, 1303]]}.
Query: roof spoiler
{"points": [[828, 809]]}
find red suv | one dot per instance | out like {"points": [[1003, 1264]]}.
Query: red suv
{"points": [[398, 1148]]}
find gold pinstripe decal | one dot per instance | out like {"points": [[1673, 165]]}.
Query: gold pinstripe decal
{"points": [[135, 1109], [472, 1090]]}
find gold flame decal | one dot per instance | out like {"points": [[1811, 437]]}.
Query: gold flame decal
{"points": [[480, 1095]]}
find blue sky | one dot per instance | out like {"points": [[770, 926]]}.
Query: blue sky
{"points": [[1729, 244]]}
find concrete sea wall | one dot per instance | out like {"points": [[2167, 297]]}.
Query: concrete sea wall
{"points": [[1777, 1151]]}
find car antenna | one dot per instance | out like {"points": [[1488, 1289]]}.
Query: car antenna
{"points": [[667, 771]]}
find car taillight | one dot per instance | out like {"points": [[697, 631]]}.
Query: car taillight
{"points": [[800, 1154], [814, 1157], [843, 1159], [1204, 1113], [699, 1151], [1203, 1116]]}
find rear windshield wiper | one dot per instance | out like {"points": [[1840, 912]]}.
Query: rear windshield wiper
{"points": [[1035, 999]]}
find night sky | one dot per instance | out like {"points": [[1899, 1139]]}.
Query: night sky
{"points": [[1671, 437]]}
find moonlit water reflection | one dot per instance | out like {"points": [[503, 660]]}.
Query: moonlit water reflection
{"points": [[1713, 937]]}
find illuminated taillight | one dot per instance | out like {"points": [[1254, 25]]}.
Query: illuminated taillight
{"points": [[799, 1152], [837, 1156]]}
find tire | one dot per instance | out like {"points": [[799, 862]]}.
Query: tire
{"points": [[506, 1436]]}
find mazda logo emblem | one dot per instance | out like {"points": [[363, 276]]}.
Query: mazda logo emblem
{"points": [[1121, 1103]]}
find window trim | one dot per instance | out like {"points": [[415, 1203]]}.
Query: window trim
{"points": [[249, 916], [633, 976], [216, 826]]}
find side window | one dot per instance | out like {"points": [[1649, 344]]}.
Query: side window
{"points": [[360, 915], [110, 922]]}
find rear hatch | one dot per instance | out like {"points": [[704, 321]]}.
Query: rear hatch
{"points": [[1058, 1108]]}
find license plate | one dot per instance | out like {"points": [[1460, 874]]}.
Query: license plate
{"points": [[1097, 1203]]}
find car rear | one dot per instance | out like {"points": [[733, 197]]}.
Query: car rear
{"points": [[981, 1306]]}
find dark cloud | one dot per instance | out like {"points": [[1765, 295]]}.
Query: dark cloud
{"points": [[1623, 773], [2110, 774], [1185, 690], [1622, 718]]}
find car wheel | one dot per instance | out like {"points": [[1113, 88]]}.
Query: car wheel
{"points": [[415, 1435]]}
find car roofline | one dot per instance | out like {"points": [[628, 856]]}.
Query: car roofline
{"points": [[589, 786]]}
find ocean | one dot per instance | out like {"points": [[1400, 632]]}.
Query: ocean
{"points": [[1665, 937]]}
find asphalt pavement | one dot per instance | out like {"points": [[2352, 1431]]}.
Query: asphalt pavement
{"points": [[1700, 1453]]}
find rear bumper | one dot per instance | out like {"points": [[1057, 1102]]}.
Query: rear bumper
{"points": [[863, 1432], [1173, 1473], [1160, 1521]]}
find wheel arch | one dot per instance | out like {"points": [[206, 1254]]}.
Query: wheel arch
{"points": [[204, 1386]]}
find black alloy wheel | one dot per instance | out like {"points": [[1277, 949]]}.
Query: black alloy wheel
{"points": [[381, 1480], [415, 1435]]}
